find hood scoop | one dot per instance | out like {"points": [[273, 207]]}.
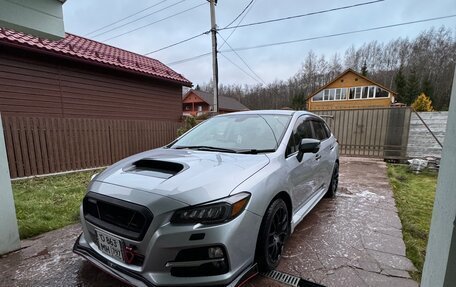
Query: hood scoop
{"points": [[155, 168]]}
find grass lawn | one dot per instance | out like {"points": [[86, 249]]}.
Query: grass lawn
{"points": [[48, 203], [414, 194]]}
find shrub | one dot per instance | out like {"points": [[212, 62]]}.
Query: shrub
{"points": [[422, 104], [189, 122]]}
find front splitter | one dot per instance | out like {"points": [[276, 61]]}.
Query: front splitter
{"points": [[135, 279]]}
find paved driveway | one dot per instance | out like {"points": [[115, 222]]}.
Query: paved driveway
{"points": [[352, 240]]}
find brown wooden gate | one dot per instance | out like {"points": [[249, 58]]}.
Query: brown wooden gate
{"points": [[370, 132]]}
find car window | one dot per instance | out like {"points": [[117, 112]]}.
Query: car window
{"points": [[327, 129], [320, 130], [301, 130]]}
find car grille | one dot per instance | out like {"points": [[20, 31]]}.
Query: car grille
{"points": [[117, 216]]}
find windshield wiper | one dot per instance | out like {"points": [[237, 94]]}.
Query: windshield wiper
{"points": [[256, 151], [207, 148]]}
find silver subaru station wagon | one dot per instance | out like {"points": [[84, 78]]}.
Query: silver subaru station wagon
{"points": [[214, 206]]}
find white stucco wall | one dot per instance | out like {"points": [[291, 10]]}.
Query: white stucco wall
{"points": [[9, 235]]}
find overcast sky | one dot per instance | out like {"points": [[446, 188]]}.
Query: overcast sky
{"points": [[271, 63]]}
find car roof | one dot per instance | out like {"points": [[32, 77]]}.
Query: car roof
{"points": [[270, 112]]}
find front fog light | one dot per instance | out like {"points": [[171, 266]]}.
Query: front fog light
{"points": [[215, 252]]}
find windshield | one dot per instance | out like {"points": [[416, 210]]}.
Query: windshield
{"points": [[237, 133]]}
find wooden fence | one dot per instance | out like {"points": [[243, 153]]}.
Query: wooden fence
{"points": [[47, 145], [370, 132]]}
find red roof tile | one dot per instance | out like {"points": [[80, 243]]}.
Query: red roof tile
{"points": [[89, 50]]}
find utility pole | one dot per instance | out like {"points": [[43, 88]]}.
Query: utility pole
{"points": [[215, 108]]}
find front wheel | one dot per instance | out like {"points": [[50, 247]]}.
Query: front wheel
{"points": [[274, 230], [334, 182]]}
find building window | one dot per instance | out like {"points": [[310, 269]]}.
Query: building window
{"points": [[365, 92], [343, 95], [358, 91], [355, 93], [371, 92], [325, 95], [318, 97], [351, 95], [381, 93]]}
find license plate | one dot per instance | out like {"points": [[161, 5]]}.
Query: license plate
{"points": [[110, 245]]}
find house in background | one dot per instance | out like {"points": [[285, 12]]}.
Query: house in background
{"points": [[350, 90], [197, 102], [80, 78]]}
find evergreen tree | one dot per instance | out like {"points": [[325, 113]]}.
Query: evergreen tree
{"points": [[364, 71], [298, 102], [428, 89], [413, 87], [401, 85]]}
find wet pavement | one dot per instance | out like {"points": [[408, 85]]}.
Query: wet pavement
{"points": [[352, 240]]}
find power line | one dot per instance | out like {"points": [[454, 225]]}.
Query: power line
{"points": [[201, 34], [242, 70], [301, 15], [178, 43], [316, 38], [140, 18], [152, 23], [188, 59], [246, 7], [234, 30], [127, 17], [341, 34], [245, 63]]}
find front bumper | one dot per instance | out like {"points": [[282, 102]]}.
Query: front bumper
{"points": [[163, 243], [135, 279]]}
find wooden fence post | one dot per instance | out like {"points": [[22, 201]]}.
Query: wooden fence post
{"points": [[9, 234]]}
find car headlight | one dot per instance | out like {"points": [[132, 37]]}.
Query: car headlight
{"points": [[219, 211]]}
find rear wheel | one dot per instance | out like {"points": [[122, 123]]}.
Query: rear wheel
{"points": [[274, 230], [334, 182]]}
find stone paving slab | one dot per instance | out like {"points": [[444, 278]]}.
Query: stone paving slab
{"points": [[354, 239]]}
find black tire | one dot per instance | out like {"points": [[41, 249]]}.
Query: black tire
{"points": [[274, 230], [332, 189]]}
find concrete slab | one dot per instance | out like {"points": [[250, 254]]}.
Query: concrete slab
{"points": [[354, 239]]}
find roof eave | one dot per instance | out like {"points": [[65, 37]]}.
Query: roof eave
{"points": [[99, 64]]}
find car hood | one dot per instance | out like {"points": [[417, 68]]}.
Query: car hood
{"points": [[189, 176]]}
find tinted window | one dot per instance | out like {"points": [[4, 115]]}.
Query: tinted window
{"points": [[301, 130], [320, 130]]}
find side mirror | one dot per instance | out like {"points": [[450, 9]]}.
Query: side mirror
{"points": [[308, 146]]}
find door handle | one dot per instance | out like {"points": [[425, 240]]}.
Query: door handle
{"points": [[331, 148], [317, 157]]}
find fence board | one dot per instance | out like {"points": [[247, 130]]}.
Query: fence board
{"points": [[47, 145], [9, 148]]}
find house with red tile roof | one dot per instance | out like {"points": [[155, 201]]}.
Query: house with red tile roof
{"points": [[197, 102], [79, 77]]}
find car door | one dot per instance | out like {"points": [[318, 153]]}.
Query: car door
{"points": [[323, 157], [301, 174]]}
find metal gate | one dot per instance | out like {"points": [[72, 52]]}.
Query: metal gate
{"points": [[370, 132]]}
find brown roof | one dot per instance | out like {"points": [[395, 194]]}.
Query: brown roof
{"points": [[226, 103], [87, 50], [343, 74]]}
